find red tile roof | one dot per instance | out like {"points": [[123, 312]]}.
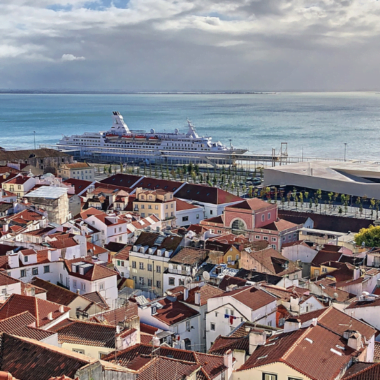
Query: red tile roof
{"points": [[174, 312], [250, 296], [79, 185], [30, 360], [39, 308], [148, 329], [97, 298], [96, 272], [63, 243], [136, 356], [183, 205], [254, 204], [206, 194], [113, 317], [363, 371], [308, 351], [206, 291], [55, 293], [223, 343], [87, 333], [78, 165], [7, 280]]}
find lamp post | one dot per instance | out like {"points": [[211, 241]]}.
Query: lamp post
{"points": [[345, 150], [34, 132]]}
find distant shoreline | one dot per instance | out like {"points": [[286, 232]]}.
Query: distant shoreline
{"points": [[52, 92]]}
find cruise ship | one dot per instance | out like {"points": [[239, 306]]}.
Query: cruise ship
{"points": [[122, 144]]}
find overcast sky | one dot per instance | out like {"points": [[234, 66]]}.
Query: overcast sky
{"points": [[164, 45]]}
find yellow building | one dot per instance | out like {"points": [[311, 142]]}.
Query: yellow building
{"points": [[158, 202], [78, 170]]}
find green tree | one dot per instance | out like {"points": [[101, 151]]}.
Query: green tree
{"points": [[369, 236], [105, 169], [190, 168], [306, 194], [340, 210], [288, 196], [301, 199], [372, 204], [330, 195], [250, 191], [275, 195], [110, 170], [121, 168], [261, 172]]}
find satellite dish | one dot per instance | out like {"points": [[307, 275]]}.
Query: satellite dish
{"points": [[206, 276]]}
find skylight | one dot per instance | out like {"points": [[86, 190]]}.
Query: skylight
{"points": [[309, 340]]}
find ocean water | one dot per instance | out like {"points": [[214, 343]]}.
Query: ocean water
{"points": [[313, 124]]}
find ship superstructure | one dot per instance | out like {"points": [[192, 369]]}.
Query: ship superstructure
{"points": [[120, 141]]}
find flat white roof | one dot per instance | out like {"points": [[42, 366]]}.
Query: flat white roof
{"points": [[49, 192]]}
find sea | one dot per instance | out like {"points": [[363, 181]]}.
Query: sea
{"points": [[312, 124]]}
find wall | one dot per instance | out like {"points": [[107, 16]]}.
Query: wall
{"points": [[194, 215], [299, 252], [9, 290], [282, 371], [92, 351]]}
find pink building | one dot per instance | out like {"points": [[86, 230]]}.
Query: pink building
{"points": [[258, 220]]}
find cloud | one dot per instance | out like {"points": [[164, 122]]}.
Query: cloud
{"points": [[71, 57], [191, 44]]}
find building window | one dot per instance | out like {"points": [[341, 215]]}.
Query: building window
{"points": [[171, 281], [324, 270], [274, 239], [185, 218], [75, 284], [269, 376], [101, 286], [281, 321], [34, 271], [23, 273], [273, 246], [134, 278], [269, 323], [150, 267], [197, 216], [149, 282], [268, 215], [78, 350], [46, 268], [118, 263], [122, 263], [133, 264], [212, 326], [262, 218], [158, 269], [188, 327], [158, 284], [265, 237], [257, 237], [26, 259], [141, 280], [83, 286], [210, 212], [141, 266]]}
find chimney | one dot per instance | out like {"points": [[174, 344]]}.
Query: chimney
{"points": [[227, 361], [186, 294], [292, 324], [198, 298], [74, 268], [231, 287], [61, 309], [156, 341], [256, 338], [50, 316], [355, 341], [5, 227], [78, 291], [356, 273]]}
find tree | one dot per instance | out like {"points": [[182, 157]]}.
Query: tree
{"points": [[330, 195], [369, 236], [110, 170], [261, 172], [196, 168], [275, 195], [250, 191], [288, 196], [301, 199], [340, 210], [105, 169], [377, 208], [190, 167], [372, 204], [306, 194], [121, 167]]}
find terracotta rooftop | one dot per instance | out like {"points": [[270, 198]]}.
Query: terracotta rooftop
{"points": [[95, 272], [250, 296], [223, 343], [150, 239], [55, 293], [183, 205], [78, 165], [97, 298], [113, 317], [86, 333], [23, 325], [274, 262], [189, 256], [206, 291], [79, 184], [306, 350], [206, 194], [136, 356], [39, 308], [254, 204], [125, 180], [63, 243], [174, 312], [229, 280], [363, 371], [123, 254], [7, 280]]}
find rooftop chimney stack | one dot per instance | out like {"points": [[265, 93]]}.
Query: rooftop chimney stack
{"points": [[292, 324], [256, 338]]}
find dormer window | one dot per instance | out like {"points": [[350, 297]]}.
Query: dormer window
{"points": [[26, 259]]}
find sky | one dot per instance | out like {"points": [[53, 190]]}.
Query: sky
{"points": [[182, 45]]}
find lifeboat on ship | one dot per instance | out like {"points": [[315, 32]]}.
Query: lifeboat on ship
{"points": [[140, 137], [153, 139], [127, 137]]}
